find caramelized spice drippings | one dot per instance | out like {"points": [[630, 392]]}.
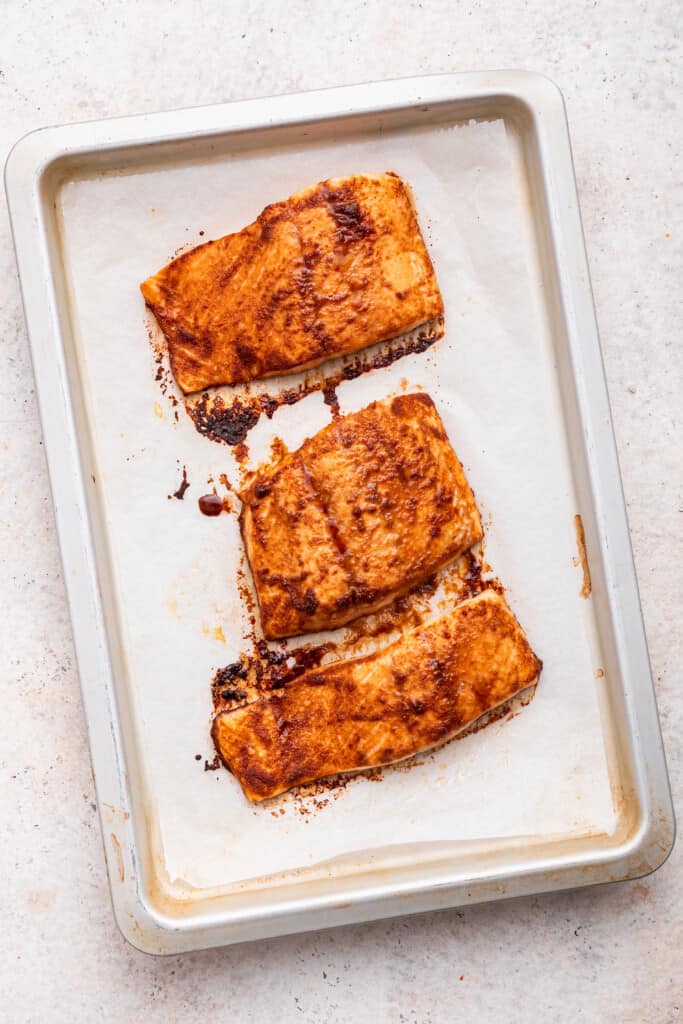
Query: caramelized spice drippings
{"points": [[278, 449], [163, 375], [227, 424], [184, 484], [210, 504], [330, 398], [264, 670]]}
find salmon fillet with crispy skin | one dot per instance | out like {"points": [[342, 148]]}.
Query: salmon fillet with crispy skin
{"points": [[366, 509], [415, 694], [335, 268]]}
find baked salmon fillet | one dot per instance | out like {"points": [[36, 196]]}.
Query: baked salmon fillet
{"points": [[334, 268], [415, 694], [363, 511]]}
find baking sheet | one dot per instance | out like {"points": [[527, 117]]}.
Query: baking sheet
{"points": [[494, 381]]}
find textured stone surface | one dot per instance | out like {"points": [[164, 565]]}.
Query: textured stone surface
{"points": [[607, 955]]}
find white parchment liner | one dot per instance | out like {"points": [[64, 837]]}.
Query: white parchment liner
{"points": [[493, 378]]}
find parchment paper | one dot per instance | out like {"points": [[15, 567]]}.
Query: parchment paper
{"points": [[493, 379]]}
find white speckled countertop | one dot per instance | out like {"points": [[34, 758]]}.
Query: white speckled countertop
{"points": [[610, 955]]}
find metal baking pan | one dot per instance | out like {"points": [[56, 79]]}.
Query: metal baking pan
{"points": [[72, 259]]}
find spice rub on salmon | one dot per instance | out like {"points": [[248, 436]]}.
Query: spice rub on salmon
{"points": [[336, 267], [415, 694], [366, 509]]}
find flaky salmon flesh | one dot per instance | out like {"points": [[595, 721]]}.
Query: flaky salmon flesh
{"points": [[363, 511], [336, 267], [415, 694]]}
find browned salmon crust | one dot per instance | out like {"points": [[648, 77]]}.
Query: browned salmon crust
{"points": [[333, 269], [363, 511], [415, 694]]}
